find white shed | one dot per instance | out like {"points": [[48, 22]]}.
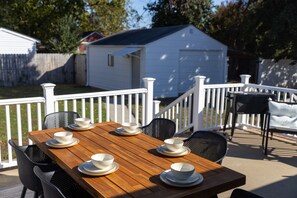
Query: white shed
{"points": [[172, 55], [15, 43]]}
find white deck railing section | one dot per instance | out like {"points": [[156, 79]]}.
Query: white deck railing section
{"points": [[120, 106], [202, 107]]}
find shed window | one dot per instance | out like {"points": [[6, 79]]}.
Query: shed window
{"points": [[110, 60]]}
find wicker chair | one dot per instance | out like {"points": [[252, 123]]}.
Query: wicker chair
{"points": [[59, 184], [160, 128], [208, 144], [28, 157], [59, 119]]}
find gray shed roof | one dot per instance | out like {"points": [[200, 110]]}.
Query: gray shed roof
{"points": [[139, 36]]}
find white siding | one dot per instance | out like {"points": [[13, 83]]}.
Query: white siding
{"points": [[162, 60], [281, 74], [106, 77], [13, 44]]}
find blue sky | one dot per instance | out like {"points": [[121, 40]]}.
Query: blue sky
{"points": [[139, 4]]}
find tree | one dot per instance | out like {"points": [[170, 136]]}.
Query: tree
{"points": [[38, 18], [266, 28], [66, 37], [177, 12], [106, 16]]}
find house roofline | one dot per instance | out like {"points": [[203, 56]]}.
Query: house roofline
{"points": [[20, 35]]}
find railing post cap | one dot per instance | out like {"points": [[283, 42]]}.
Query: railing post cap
{"points": [[149, 79], [200, 77], [245, 75], [48, 85]]}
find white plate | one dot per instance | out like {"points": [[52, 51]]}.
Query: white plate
{"points": [[163, 177], [193, 178], [121, 131], [55, 144], [79, 128], [90, 167], [166, 150], [185, 152], [82, 170]]}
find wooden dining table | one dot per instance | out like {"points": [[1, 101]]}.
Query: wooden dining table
{"points": [[140, 165]]}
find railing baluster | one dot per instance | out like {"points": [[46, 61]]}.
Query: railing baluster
{"points": [[19, 124], [92, 109], [115, 112], [107, 109], [8, 131]]}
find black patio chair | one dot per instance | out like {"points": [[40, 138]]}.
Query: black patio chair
{"points": [[59, 119], [28, 157], [59, 184], [281, 118], [160, 128], [240, 193], [246, 103], [207, 144]]}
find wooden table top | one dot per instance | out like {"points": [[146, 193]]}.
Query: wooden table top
{"points": [[140, 165]]}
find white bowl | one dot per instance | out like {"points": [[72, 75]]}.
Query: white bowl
{"points": [[82, 122], [102, 160], [63, 137], [173, 144], [182, 170], [130, 127]]}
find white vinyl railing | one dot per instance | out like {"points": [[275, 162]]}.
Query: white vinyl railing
{"points": [[202, 107], [22, 115]]}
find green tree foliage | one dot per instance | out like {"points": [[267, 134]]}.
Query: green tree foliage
{"points": [[38, 18], [66, 35], [176, 12], [106, 16], [47, 20], [266, 28]]}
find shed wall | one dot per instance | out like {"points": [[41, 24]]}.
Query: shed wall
{"points": [[162, 62], [108, 77]]}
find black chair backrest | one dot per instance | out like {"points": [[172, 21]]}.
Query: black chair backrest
{"points": [[240, 193], [59, 119], [49, 189], [252, 103], [25, 167], [160, 128], [208, 144]]}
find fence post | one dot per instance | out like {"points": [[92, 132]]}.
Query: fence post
{"points": [[245, 79], [48, 93], [198, 105], [149, 84], [156, 107]]}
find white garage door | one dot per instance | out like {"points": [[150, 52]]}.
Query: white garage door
{"points": [[205, 63]]}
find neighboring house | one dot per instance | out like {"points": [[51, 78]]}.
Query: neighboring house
{"points": [[88, 37], [172, 55], [15, 43]]}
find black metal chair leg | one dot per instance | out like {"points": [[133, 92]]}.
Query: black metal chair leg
{"points": [[226, 120], [36, 195], [23, 192], [234, 118]]}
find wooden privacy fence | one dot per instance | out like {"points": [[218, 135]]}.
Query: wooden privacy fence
{"points": [[23, 69]]}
